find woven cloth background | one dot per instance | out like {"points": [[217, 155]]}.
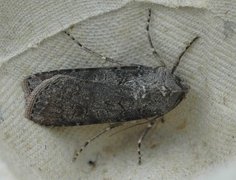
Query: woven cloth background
{"points": [[198, 135]]}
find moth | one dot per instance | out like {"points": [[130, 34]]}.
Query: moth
{"points": [[112, 95]]}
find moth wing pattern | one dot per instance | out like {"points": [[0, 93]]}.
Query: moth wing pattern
{"points": [[93, 74], [82, 102]]}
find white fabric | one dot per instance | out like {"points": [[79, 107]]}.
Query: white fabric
{"points": [[198, 135]]}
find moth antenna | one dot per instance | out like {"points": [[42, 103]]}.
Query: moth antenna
{"points": [[182, 54], [154, 52], [91, 51]]}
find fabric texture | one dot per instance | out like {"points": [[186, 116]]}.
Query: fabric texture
{"points": [[198, 135]]}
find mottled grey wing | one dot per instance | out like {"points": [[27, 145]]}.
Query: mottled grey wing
{"points": [[65, 100], [107, 74]]}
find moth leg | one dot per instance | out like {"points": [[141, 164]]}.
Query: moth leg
{"points": [[150, 125], [91, 51], [154, 52], [111, 126], [181, 55], [148, 128]]}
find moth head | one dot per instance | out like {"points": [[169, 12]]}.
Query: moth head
{"points": [[172, 84]]}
